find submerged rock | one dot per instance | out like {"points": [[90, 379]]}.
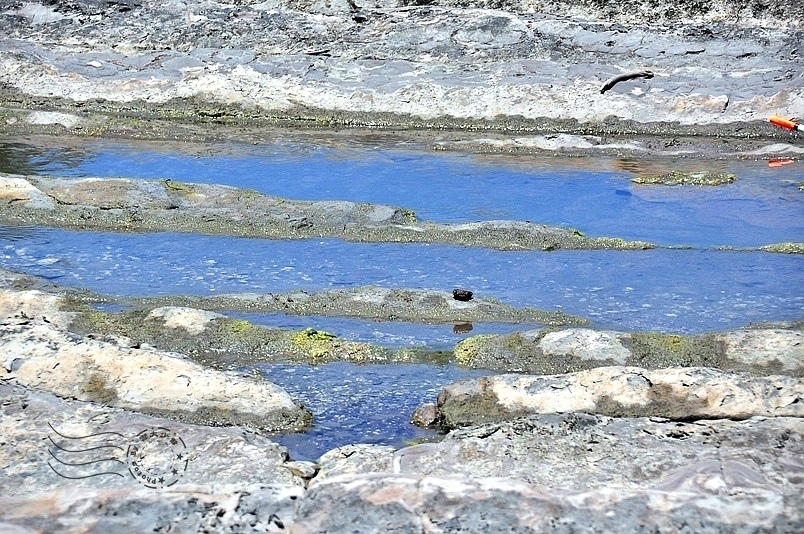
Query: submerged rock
{"points": [[681, 394]]}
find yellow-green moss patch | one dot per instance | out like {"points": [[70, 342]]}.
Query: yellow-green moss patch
{"points": [[687, 178], [468, 350], [785, 248]]}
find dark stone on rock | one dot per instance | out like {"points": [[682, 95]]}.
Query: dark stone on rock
{"points": [[462, 294]]}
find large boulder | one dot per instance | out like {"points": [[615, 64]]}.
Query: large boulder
{"points": [[404, 503], [580, 452], [255, 508]]}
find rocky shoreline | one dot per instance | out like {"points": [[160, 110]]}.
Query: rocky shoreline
{"points": [[138, 420], [545, 440]]}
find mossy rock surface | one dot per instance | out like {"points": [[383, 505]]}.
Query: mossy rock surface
{"points": [[687, 178], [784, 248]]}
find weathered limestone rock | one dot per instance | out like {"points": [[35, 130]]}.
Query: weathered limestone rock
{"points": [[354, 459], [779, 350], [190, 320], [249, 508], [682, 394], [577, 451], [143, 380], [757, 351], [470, 64], [382, 503], [34, 305], [45, 439]]}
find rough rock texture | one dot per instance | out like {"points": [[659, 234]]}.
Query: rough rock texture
{"points": [[383, 503], [464, 63], [117, 203], [249, 508], [681, 394], [586, 451], [45, 439], [354, 459], [134, 378], [759, 351], [374, 302]]}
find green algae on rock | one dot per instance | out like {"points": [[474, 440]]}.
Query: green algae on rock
{"points": [[687, 178], [553, 351], [784, 248], [157, 206]]}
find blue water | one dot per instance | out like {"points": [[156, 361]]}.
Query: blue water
{"points": [[667, 290], [360, 403], [684, 291], [594, 195]]}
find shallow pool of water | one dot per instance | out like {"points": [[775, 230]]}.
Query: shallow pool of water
{"points": [[594, 195], [667, 290], [360, 403], [685, 291]]}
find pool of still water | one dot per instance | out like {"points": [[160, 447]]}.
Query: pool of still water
{"points": [[694, 290]]}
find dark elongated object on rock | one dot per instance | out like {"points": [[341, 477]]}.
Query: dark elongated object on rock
{"points": [[611, 82], [462, 294]]}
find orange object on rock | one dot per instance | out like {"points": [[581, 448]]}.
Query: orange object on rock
{"points": [[784, 123], [780, 162]]}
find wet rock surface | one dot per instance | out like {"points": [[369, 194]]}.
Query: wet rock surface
{"points": [[138, 205], [759, 351]]}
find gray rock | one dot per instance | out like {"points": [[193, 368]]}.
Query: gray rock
{"points": [[583, 452], [682, 394], [759, 351], [297, 60], [385, 503], [260, 508], [140, 379], [354, 459], [48, 443]]}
